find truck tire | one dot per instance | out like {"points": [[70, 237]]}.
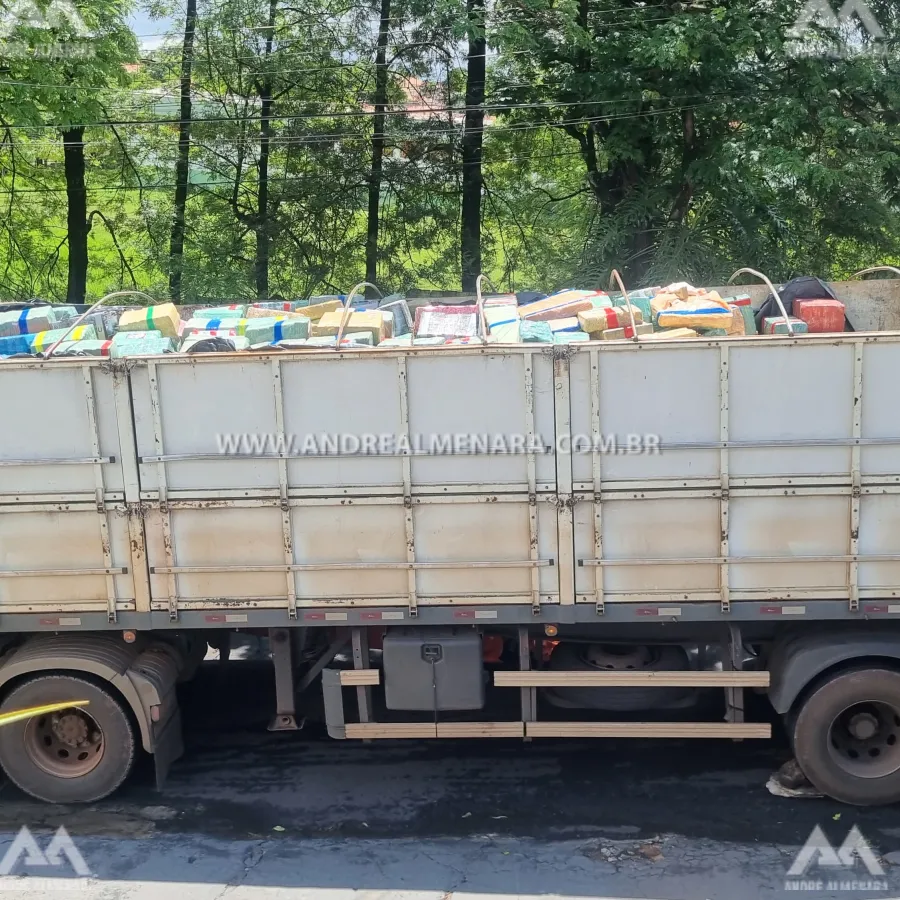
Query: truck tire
{"points": [[846, 736], [76, 756], [572, 657]]}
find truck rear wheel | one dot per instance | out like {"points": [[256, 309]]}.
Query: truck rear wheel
{"points": [[846, 736], [78, 755]]}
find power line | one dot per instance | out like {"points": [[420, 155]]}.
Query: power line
{"points": [[356, 114]]}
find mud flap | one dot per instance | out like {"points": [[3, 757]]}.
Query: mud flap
{"points": [[168, 745]]}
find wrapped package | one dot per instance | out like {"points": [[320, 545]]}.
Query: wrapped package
{"points": [[535, 332], [570, 323], [371, 321], [150, 346], [44, 340], [403, 320], [601, 301], [84, 348], [238, 342], [625, 333], [315, 311], [27, 321], [558, 306], [595, 321], [749, 318], [362, 339], [134, 338], [499, 300], [255, 312], [293, 344], [824, 316], [700, 310], [404, 340], [570, 337], [216, 327], [739, 300], [429, 341], [14, 344], [738, 325], [65, 315], [446, 321], [273, 330], [233, 311], [278, 305], [503, 323], [388, 317], [777, 325], [163, 318], [670, 334]]}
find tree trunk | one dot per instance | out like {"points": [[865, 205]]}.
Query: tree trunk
{"points": [[263, 226], [77, 222], [381, 86], [473, 135], [182, 165]]}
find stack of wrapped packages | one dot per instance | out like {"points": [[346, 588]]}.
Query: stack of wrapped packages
{"points": [[678, 311]]}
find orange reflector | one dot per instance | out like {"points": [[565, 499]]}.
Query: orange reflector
{"points": [[129, 637], [551, 630]]}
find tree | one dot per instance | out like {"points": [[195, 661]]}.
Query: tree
{"points": [[58, 64]]}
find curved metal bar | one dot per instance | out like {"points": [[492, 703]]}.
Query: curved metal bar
{"points": [[877, 269], [348, 307], [479, 303], [617, 278], [775, 294], [48, 353]]}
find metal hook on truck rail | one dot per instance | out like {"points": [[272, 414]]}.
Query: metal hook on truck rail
{"points": [[479, 303], [84, 315], [348, 308], [877, 269], [616, 277], [775, 294]]}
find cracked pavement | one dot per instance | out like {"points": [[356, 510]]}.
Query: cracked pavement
{"points": [[249, 815]]}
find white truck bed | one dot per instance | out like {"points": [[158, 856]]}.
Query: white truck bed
{"points": [[776, 490]]}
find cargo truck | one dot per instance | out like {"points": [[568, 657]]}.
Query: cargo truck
{"points": [[600, 533]]}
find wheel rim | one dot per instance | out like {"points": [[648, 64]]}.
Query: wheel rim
{"points": [[864, 739], [67, 744]]}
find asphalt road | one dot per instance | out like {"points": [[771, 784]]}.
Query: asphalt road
{"points": [[250, 815]]}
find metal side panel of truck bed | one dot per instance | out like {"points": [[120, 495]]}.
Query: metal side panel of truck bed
{"points": [[776, 491], [291, 516], [67, 541], [777, 483]]}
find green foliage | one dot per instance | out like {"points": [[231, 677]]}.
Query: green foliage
{"points": [[667, 139]]}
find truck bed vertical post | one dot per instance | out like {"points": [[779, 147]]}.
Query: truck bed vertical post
{"points": [[565, 519], [87, 373], [409, 521], [598, 483], [528, 362], [162, 489], [856, 478], [131, 481], [286, 525], [724, 578]]}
